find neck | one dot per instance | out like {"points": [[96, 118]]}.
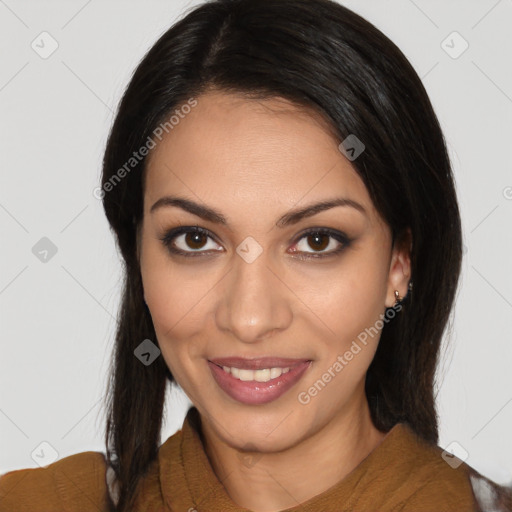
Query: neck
{"points": [[277, 481]]}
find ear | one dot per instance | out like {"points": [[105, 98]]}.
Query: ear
{"points": [[400, 267]]}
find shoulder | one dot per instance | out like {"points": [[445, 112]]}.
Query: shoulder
{"points": [[426, 477], [76, 482]]}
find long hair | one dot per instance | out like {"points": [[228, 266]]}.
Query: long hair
{"points": [[324, 57]]}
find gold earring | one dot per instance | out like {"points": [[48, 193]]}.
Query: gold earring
{"points": [[397, 298]]}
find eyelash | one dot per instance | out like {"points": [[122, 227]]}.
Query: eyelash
{"points": [[170, 235]]}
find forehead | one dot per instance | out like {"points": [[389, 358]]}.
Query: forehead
{"points": [[257, 151]]}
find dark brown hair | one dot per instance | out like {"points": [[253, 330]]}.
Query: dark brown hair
{"points": [[321, 56]]}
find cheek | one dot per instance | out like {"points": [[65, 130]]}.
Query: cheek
{"points": [[348, 305], [348, 299], [178, 315], [178, 312]]}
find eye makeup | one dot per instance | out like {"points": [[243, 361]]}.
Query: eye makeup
{"points": [[189, 236]]}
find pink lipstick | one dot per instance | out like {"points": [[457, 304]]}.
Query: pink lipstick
{"points": [[257, 381]]}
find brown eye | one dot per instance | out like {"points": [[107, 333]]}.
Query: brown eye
{"points": [[195, 240], [190, 241], [318, 241]]}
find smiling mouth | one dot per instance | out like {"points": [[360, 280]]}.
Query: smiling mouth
{"points": [[263, 375], [257, 381], [262, 369]]}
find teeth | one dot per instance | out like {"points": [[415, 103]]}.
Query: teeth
{"points": [[263, 375]]}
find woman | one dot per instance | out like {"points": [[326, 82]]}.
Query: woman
{"points": [[276, 179]]}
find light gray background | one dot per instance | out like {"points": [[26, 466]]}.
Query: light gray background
{"points": [[57, 318]]}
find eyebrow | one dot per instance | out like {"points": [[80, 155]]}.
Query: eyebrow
{"points": [[288, 219]]}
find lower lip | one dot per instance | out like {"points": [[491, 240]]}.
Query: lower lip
{"points": [[252, 392]]}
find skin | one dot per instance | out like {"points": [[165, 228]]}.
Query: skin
{"points": [[254, 161]]}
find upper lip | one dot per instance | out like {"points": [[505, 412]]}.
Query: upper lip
{"points": [[258, 363]]}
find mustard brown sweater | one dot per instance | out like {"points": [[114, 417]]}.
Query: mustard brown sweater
{"points": [[403, 473]]}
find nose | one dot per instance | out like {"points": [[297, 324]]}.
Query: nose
{"points": [[255, 301]]}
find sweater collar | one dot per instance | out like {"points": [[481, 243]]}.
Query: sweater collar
{"points": [[189, 483]]}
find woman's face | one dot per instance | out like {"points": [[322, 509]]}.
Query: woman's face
{"points": [[253, 287]]}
